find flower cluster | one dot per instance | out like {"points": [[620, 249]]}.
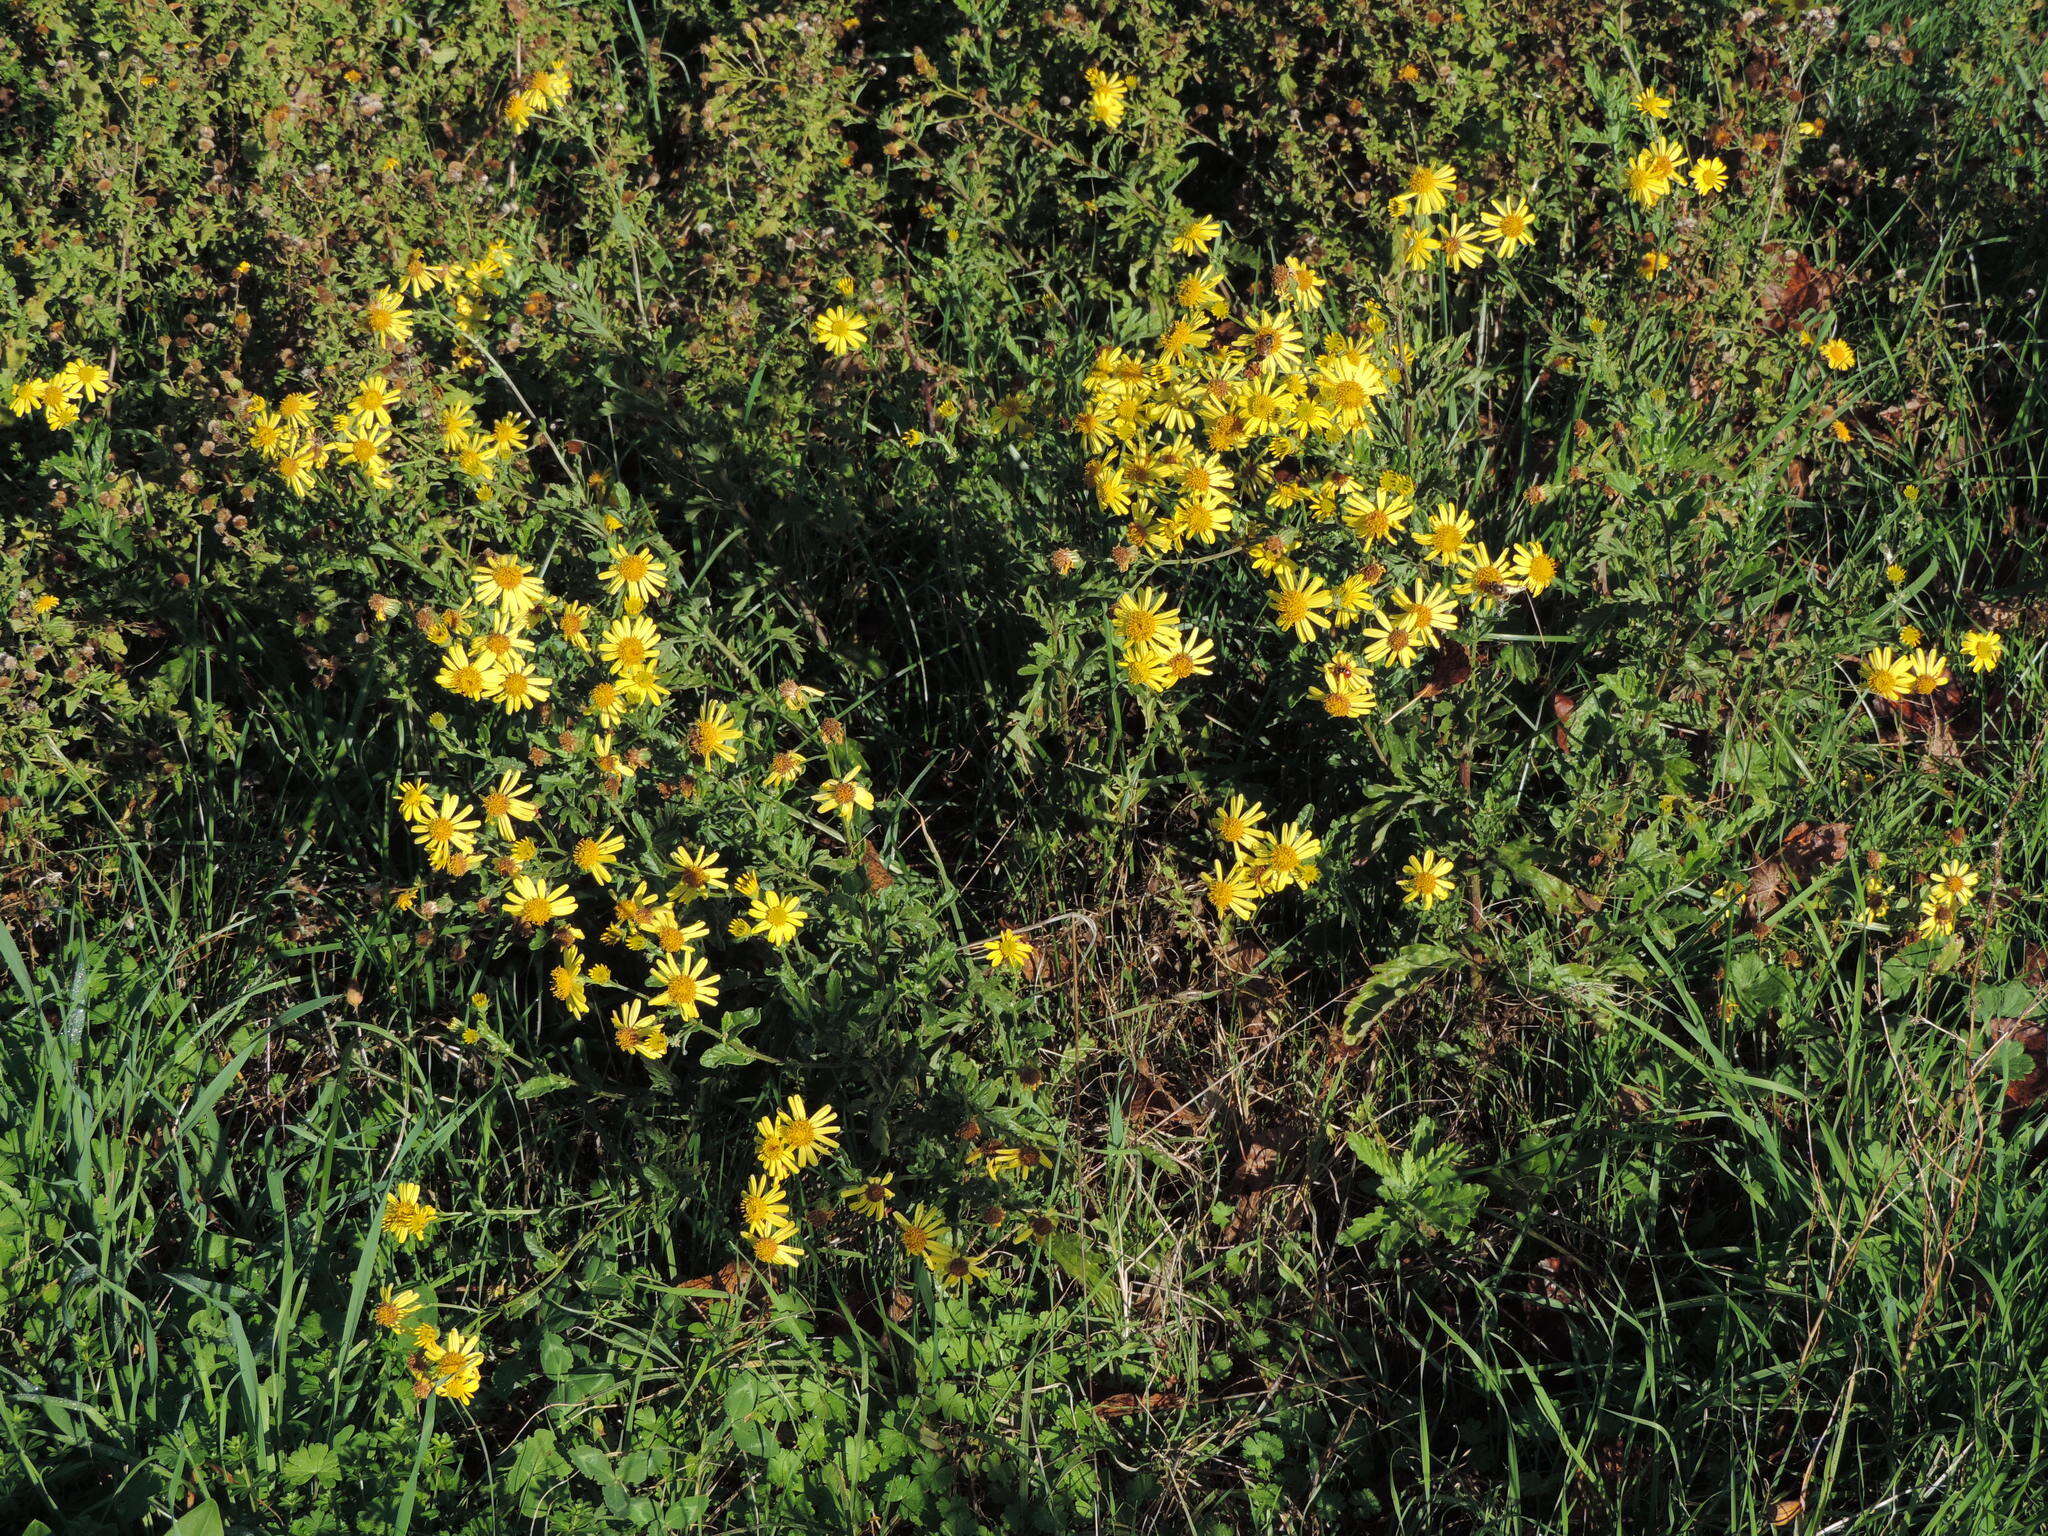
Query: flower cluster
{"points": [[60, 396], [1508, 224], [541, 91], [1946, 892], [521, 650], [1263, 861], [1914, 668], [441, 1366], [1232, 432], [1108, 95]]}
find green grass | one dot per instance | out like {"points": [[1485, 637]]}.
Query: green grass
{"points": [[1635, 1188]]}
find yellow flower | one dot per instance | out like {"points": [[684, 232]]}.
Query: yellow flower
{"points": [[1143, 622], [506, 802], [595, 855], [636, 1034], [416, 799], [1886, 674], [1509, 226], [391, 1310], [514, 688], [1007, 948], [808, 1133], [630, 642], [1107, 96], [1929, 668], [921, 1230], [1652, 263], [634, 572], [840, 330], [1298, 604], [845, 795], [714, 734], [1196, 236], [447, 828], [1237, 824], [1233, 892], [406, 1216], [683, 985], [1533, 568], [1428, 190], [1446, 534], [698, 872], [508, 585], [772, 1152], [1982, 649], [1955, 882], [871, 1197], [1651, 104], [783, 769], [773, 1246], [776, 918], [1709, 175], [763, 1205], [387, 318], [1281, 862], [458, 1366], [372, 403], [1838, 354], [1429, 611], [535, 902], [1425, 879], [1460, 243], [956, 1267]]}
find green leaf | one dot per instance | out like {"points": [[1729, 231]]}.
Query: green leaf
{"points": [[311, 1461], [1393, 979], [200, 1520]]}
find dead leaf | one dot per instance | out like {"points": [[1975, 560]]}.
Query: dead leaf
{"points": [[1807, 849], [1452, 666]]}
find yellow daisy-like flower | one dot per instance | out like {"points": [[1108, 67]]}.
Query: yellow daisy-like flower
{"points": [[636, 573], [774, 1246], [840, 330], [1428, 190], [505, 802], [1196, 236], [1007, 948], [1233, 892], [636, 1034], [1299, 604], [957, 1268], [514, 688], [508, 585], [371, 404], [416, 798], [783, 768], [387, 318], [1938, 916], [406, 1215], [1143, 622], [1107, 96], [843, 796], [1430, 611], [1282, 861], [1651, 104], [1461, 244], [921, 1230], [776, 918], [1838, 354], [808, 1133], [1955, 882], [1483, 578], [683, 984], [1446, 534], [393, 1309], [1886, 674], [764, 1205], [871, 1197], [1237, 825], [458, 1366], [698, 872], [446, 828], [715, 734], [1425, 879], [630, 642], [596, 855], [1709, 175], [1982, 649], [535, 902], [1532, 568], [1929, 668], [1509, 225]]}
